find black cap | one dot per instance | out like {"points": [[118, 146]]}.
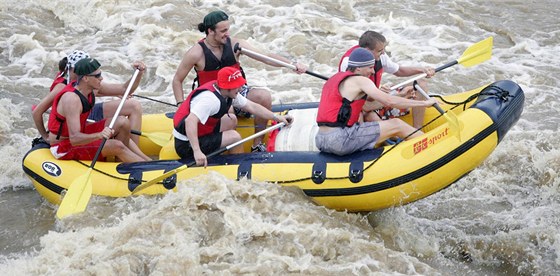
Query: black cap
{"points": [[86, 66], [214, 18]]}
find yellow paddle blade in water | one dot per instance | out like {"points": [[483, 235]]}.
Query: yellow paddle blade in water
{"points": [[454, 126], [77, 196], [159, 178], [477, 53], [159, 138]]}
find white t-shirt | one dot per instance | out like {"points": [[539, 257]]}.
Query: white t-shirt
{"points": [[388, 65], [207, 104]]}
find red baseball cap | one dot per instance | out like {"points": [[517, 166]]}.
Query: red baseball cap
{"points": [[230, 78]]}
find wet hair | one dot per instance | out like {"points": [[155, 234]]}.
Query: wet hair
{"points": [[370, 39], [211, 19], [62, 72], [204, 29], [62, 64]]}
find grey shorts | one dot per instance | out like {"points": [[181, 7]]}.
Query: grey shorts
{"points": [[96, 112], [342, 141]]}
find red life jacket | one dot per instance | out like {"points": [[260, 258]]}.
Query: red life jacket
{"points": [[378, 67], [212, 125], [335, 110], [212, 64], [57, 123], [58, 79]]}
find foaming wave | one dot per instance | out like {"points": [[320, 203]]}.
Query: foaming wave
{"points": [[215, 225], [13, 146], [501, 216]]}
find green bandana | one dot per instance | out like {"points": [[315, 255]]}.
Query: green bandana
{"points": [[213, 18], [86, 66]]}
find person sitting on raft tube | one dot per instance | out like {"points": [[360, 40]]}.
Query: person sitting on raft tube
{"points": [[342, 99], [202, 123], [72, 137]]}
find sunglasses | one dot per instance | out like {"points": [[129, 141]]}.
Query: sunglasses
{"points": [[97, 76]]}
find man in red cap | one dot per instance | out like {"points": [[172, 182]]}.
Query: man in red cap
{"points": [[202, 123], [216, 51]]}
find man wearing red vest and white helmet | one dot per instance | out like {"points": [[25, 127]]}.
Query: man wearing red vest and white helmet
{"points": [[202, 123]]}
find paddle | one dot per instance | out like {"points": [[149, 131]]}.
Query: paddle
{"points": [[157, 101], [279, 62], [79, 192], [475, 54], [451, 118], [159, 138], [217, 152]]}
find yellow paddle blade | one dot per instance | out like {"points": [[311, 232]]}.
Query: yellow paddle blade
{"points": [[477, 53], [454, 126], [77, 196], [157, 179], [159, 138]]}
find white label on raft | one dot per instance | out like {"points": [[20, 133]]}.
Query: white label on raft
{"points": [[52, 169]]}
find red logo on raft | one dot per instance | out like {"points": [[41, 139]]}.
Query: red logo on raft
{"points": [[429, 141]]}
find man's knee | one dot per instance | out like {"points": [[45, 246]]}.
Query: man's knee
{"points": [[115, 147], [228, 122], [229, 137], [122, 123], [134, 106], [260, 96]]}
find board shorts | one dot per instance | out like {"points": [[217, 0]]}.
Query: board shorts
{"points": [[346, 140], [238, 112], [96, 113], [208, 144], [387, 112], [64, 150]]}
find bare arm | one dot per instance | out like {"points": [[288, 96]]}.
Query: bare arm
{"points": [[364, 84], [114, 89], [190, 58], [191, 128], [263, 112], [407, 71], [245, 45], [71, 108], [42, 107]]}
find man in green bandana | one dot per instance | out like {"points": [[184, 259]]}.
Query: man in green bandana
{"points": [[216, 51], [72, 137]]}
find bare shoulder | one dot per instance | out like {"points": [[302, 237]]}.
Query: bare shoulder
{"points": [[69, 103], [69, 97], [193, 56], [194, 53]]}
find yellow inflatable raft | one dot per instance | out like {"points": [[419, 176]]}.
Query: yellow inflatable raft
{"points": [[370, 180]]}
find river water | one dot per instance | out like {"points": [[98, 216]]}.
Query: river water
{"points": [[501, 219]]}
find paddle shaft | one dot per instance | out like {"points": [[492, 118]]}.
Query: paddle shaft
{"points": [[158, 101], [423, 75], [473, 55], [279, 62], [190, 164], [436, 105], [132, 80]]}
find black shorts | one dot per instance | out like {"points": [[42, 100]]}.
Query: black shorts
{"points": [[208, 144]]}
